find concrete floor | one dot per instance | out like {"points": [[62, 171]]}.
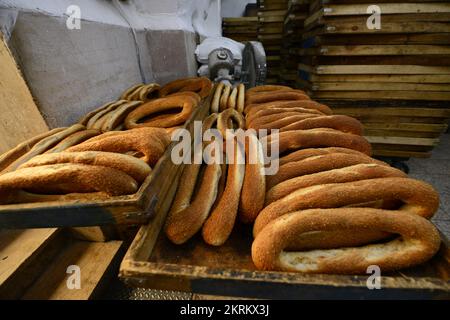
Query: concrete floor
{"points": [[436, 171]]}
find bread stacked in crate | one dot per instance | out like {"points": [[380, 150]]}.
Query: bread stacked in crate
{"points": [[271, 14], [240, 29], [388, 65], [297, 12]]}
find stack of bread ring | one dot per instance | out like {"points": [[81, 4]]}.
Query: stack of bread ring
{"points": [[108, 153], [228, 97], [76, 163], [150, 105], [330, 208]]}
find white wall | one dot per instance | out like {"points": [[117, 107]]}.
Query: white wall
{"points": [[202, 16], [234, 8]]}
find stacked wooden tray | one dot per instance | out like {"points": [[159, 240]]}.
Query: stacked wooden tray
{"points": [[240, 29], [395, 79], [297, 12], [271, 15]]}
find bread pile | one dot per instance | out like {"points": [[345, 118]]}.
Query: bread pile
{"points": [[95, 159], [228, 97], [208, 195], [149, 105], [330, 208]]}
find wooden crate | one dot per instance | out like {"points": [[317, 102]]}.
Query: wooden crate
{"points": [[152, 261], [121, 210]]}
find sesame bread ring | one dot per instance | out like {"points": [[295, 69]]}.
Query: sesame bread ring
{"points": [[10, 156], [280, 120], [136, 168], [224, 97], [230, 119], [417, 197], [201, 85], [117, 116], [148, 143], [418, 241], [254, 186], [125, 95], [216, 99], [240, 105], [317, 138], [355, 172], [268, 88], [43, 145], [265, 97], [306, 104], [74, 139], [258, 113], [68, 178], [317, 164], [338, 122], [306, 153], [232, 99], [185, 102]]}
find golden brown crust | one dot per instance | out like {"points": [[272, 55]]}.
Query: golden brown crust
{"points": [[201, 85], [355, 172], [317, 164], [187, 215], [229, 119], [255, 114], [136, 168], [232, 99], [254, 185], [43, 145], [418, 197], [74, 139], [220, 223], [240, 105], [318, 138], [148, 142], [338, 122], [216, 100], [117, 116], [10, 156], [418, 243], [224, 98], [268, 88], [306, 104], [306, 153], [90, 114], [67, 178], [278, 121], [185, 102], [125, 95], [265, 97], [96, 118]]}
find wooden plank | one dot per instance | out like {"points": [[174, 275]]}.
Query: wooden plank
{"points": [[360, 39], [378, 86], [366, 50], [20, 118], [23, 255], [93, 259], [395, 112], [386, 8], [383, 95], [427, 78], [376, 69], [403, 141], [400, 154]]}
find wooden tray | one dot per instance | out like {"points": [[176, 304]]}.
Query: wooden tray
{"points": [[130, 209], [152, 261]]}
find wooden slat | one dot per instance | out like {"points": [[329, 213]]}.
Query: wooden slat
{"points": [[376, 69], [426, 78], [403, 141], [383, 95], [378, 86], [94, 260], [386, 8]]}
